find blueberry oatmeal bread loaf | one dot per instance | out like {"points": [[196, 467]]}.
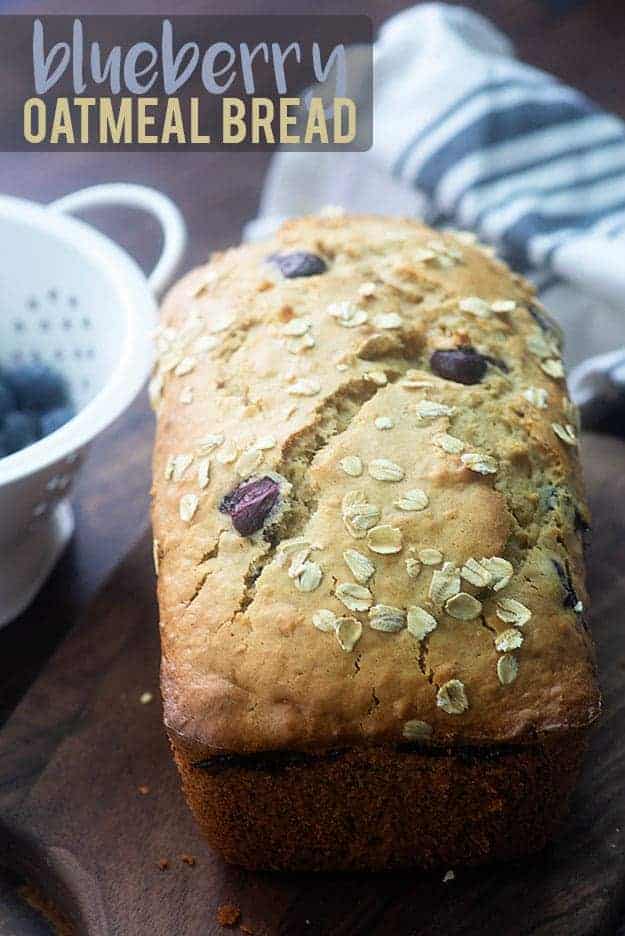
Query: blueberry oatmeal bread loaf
{"points": [[368, 519]]}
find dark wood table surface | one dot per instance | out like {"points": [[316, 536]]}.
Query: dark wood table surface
{"points": [[217, 193]]}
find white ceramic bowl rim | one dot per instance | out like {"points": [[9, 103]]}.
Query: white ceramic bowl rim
{"points": [[133, 289]]}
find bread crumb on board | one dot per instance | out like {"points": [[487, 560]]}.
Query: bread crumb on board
{"points": [[228, 915]]}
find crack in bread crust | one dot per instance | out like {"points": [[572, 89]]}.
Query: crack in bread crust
{"points": [[332, 418]]}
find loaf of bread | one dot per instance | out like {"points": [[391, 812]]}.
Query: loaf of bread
{"points": [[368, 518]]}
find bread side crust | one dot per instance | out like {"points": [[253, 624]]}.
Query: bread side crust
{"points": [[382, 808]]}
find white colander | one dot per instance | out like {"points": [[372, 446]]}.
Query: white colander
{"points": [[71, 298]]}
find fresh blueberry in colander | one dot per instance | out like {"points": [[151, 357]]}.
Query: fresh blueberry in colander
{"points": [[37, 387], [34, 402], [54, 419], [250, 503], [298, 263], [7, 400], [18, 430], [463, 365]]}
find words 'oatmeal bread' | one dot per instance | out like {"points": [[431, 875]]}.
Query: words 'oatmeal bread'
{"points": [[368, 518]]}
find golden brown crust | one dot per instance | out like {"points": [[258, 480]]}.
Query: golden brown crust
{"points": [[382, 808], [244, 667]]}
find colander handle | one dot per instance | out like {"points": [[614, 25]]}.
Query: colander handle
{"points": [[138, 196]]}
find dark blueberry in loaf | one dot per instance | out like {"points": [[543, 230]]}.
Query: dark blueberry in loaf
{"points": [[298, 263], [463, 365], [570, 599], [250, 504], [36, 387]]}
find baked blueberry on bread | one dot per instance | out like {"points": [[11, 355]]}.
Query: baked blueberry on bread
{"points": [[368, 518]]}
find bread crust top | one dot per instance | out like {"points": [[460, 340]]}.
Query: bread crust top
{"points": [[434, 523]]}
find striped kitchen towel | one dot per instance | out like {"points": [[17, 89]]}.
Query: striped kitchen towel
{"points": [[467, 135]]}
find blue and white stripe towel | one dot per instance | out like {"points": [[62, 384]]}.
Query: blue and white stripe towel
{"points": [[466, 135]]}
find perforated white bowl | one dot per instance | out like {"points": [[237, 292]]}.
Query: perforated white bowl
{"points": [[71, 298]]}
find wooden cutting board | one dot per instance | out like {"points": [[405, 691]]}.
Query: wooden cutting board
{"points": [[81, 747]]}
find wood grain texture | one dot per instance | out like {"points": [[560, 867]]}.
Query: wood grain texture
{"points": [[79, 746]]}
